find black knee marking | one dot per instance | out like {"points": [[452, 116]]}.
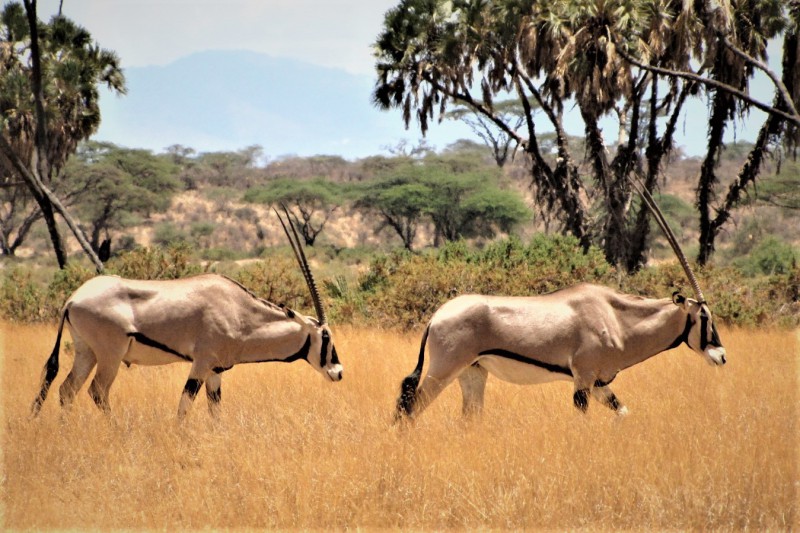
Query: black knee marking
{"points": [[192, 387], [613, 402], [214, 396], [581, 399]]}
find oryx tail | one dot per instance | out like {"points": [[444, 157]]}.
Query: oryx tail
{"points": [[50, 369], [408, 388]]}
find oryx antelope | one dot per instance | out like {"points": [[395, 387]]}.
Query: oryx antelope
{"points": [[208, 320], [585, 333]]}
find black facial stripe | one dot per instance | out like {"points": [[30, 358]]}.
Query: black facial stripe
{"points": [[703, 330], [683, 337], [334, 356], [323, 351], [302, 354], [147, 341], [522, 359], [715, 340]]}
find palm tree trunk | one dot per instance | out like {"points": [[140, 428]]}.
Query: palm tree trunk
{"points": [[708, 178]]}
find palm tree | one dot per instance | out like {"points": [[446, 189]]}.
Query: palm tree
{"points": [[49, 101]]}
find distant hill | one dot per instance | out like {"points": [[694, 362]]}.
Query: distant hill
{"points": [[227, 100]]}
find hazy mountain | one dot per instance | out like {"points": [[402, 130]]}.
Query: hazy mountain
{"points": [[226, 100]]}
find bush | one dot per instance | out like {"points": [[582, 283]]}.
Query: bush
{"points": [[20, 297], [404, 290], [770, 256]]}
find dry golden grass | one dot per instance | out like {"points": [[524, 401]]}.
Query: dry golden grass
{"points": [[703, 448]]}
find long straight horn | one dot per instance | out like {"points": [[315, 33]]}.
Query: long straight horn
{"points": [[299, 254], [662, 222]]}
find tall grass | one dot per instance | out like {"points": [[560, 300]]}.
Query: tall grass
{"points": [[703, 448]]}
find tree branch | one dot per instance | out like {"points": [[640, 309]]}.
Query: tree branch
{"points": [[34, 181], [779, 85], [793, 118]]}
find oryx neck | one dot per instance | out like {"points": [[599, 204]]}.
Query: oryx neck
{"points": [[656, 326]]}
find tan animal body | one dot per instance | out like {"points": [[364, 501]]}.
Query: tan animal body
{"points": [[209, 321], [586, 334]]}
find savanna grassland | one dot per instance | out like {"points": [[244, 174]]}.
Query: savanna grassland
{"points": [[703, 448]]}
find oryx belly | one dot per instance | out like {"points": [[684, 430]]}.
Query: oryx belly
{"points": [[518, 372]]}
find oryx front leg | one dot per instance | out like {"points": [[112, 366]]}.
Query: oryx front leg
{"points": [[473, 385], [606, 396], [197, 376]]}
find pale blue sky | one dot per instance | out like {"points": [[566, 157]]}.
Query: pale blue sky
{"points": [[330, 33]]}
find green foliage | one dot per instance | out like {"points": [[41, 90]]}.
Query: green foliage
{"points": [[317, 191], [770, 256], [20, 296], [169, 234], [278, 280], [112, 186], [172, 262], [404, 289], [460, 201]]}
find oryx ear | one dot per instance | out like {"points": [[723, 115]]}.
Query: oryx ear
{"points": [[285, 309], [678, 298]]}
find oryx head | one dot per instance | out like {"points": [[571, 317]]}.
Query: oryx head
{"points": [[321, 353], [700, 333]]}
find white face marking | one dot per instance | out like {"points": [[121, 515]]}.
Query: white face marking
{"points": [[334, 372], [715, 356]]}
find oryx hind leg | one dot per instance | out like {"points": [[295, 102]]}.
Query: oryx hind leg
{"points": [[442, 372], [473, 385], [109, 354], [85, 361], [101, 384]]}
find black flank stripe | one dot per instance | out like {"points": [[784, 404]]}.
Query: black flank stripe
{"points": [[147, 341], [522, 359]]}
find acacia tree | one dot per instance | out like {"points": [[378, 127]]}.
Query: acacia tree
{"points": [[310, 202], [49, 102], [499, 142], [611, 57], [458, 200], [110, 185]]}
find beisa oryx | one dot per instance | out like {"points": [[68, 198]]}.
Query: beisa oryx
{"points": [[585, 333], [208, 320]]}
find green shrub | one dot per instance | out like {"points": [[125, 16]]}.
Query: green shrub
{"points": [[770, 256], [172, 262], [21, 297], [404, 289], [278, 280]]}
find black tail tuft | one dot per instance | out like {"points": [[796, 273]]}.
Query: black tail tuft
{"points": [[50, 370], [408, 395], [408, 388]]}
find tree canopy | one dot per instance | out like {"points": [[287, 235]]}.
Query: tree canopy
{"points": [[636, 61]]}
